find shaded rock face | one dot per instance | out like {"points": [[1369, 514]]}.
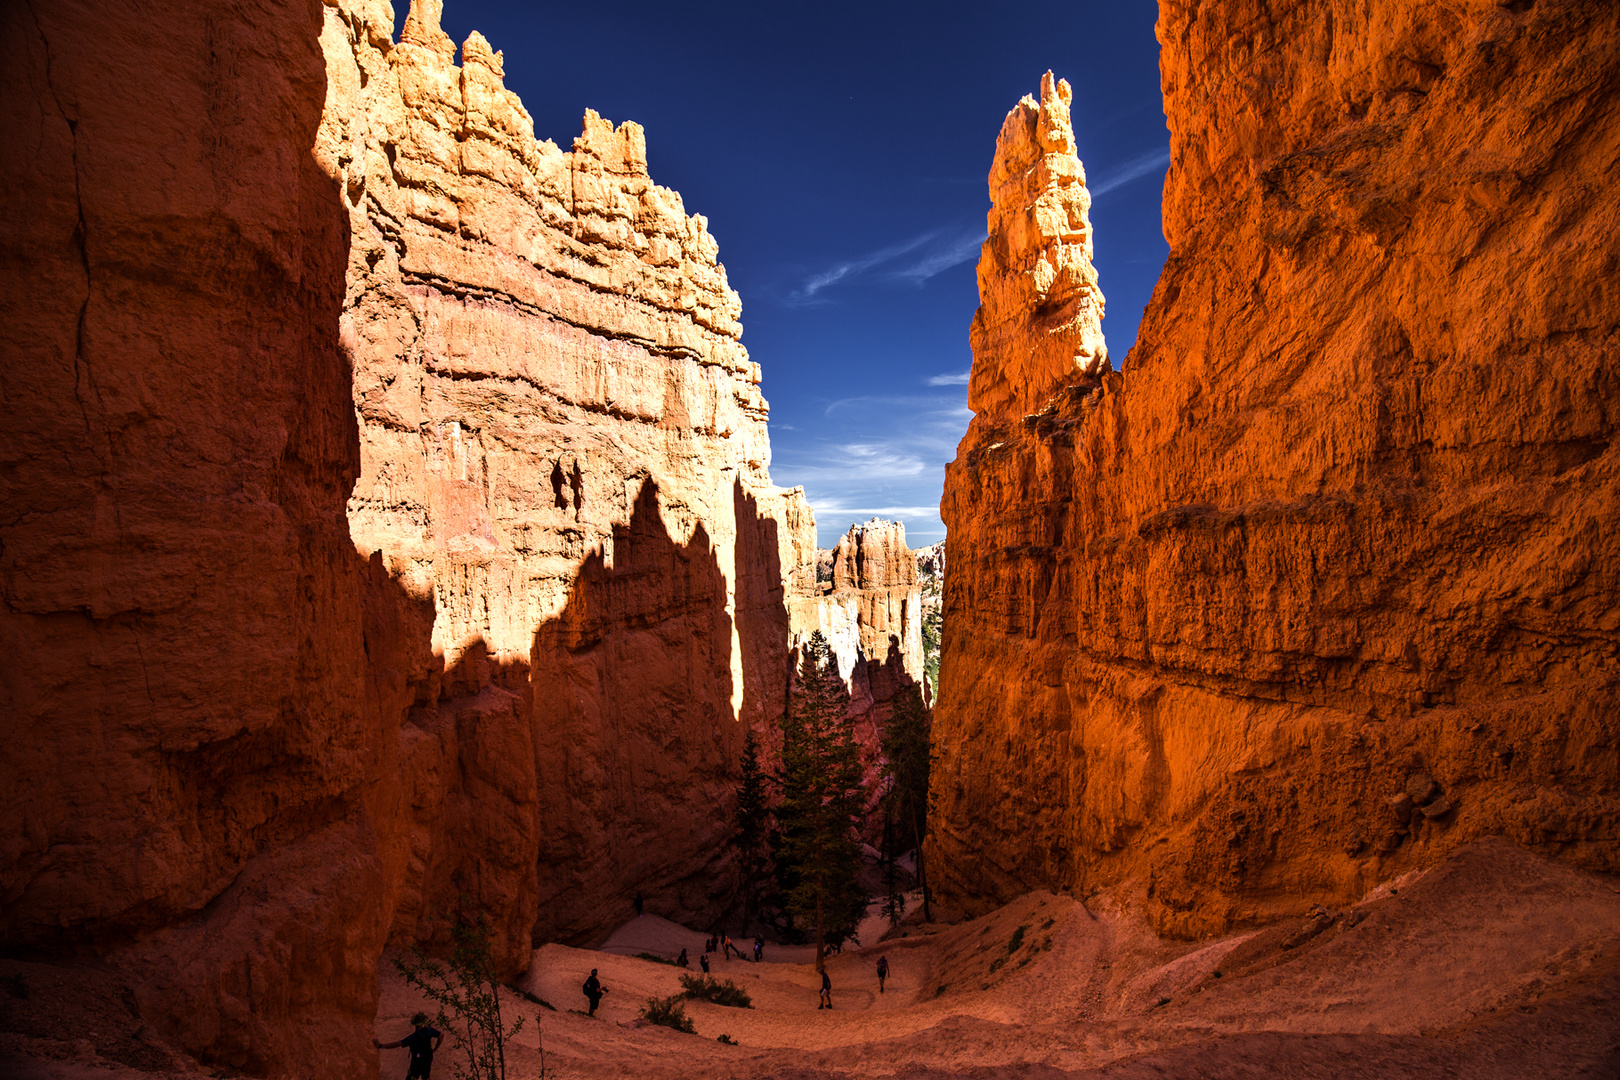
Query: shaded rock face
{"points": [[387, 518], [1349, 515], [563, 449]]}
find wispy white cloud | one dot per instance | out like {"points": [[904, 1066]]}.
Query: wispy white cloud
{"points": [[943, 258], [1134, 169], [960, 378], [854, 267], [932, 253]]}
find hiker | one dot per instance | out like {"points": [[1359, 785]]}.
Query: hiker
{"points": [[680, 961], [825, 1001], [594, 991], [759, 948], [421, 1043], [728, 949], [712, 944], [703, 962], [883, 971]]}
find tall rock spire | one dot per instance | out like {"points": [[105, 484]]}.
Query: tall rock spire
{"points": [[1039, 324]]}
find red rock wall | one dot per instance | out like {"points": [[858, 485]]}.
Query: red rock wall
{"points": [[1346, 522], [191, 733], [387, 519]]}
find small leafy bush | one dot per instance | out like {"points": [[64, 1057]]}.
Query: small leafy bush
{"points": [[728, 1040], [1017, 940], [709, 988], [668, 1012]]}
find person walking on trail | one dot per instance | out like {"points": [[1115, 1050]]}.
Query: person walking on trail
{"points": [[421, 1043], [681, 961], [825, 1001], [883, 971], [728, 950], [703, 962], [593, 992], [759, 948]]}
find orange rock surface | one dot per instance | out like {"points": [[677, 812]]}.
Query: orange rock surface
{"points": [[1324, 583], [388, 519]]}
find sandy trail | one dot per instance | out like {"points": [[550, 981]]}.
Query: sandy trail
{"points": [[1495, 964], [1498, 963]]}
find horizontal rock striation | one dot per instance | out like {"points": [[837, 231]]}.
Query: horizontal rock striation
{"points": [[1324, 584], [562, 446]]}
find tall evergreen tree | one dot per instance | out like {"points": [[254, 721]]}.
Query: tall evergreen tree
{"points": [[752, 834], [821, 801], [906, 748]]}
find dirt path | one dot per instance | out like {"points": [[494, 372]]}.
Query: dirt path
{"points": [[1496, 964]]}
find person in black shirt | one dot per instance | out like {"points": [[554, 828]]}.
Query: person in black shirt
{"points": [[421, 1043], [593, 992]]}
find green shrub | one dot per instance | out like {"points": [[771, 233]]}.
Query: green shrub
{"points": [[668, 1012], [728, 1040], [655, 959], [709, 988], [1017, 940]]}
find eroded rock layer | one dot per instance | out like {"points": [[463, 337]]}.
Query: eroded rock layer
{"points": [[388, 528], [563, 457], [1324, 583]]}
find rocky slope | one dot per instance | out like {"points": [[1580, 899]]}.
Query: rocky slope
{"points": [[388, 520], [1323, 584]]}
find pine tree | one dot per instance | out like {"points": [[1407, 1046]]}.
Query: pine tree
{"points": [[906, 749], [821, 800], [753, 825]]}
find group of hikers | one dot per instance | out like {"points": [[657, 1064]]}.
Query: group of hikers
{"points": [[424, 1040]]}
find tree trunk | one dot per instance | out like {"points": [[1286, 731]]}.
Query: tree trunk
{"points": [[821, 962]]}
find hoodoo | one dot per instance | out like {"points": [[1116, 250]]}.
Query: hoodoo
{"points": [[1323, 584]]}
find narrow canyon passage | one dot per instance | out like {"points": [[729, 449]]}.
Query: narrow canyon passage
{"points": [[391, 548]]}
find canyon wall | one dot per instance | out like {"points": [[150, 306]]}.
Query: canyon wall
{"points": [[1324, 583], [194, 734], [389, 532], [870, 612], [564, 458]]}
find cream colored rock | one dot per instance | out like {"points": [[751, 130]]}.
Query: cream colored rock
{"points": [[563, 451]]}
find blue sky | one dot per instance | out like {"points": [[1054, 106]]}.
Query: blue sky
{"points": [[839, 151]]}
